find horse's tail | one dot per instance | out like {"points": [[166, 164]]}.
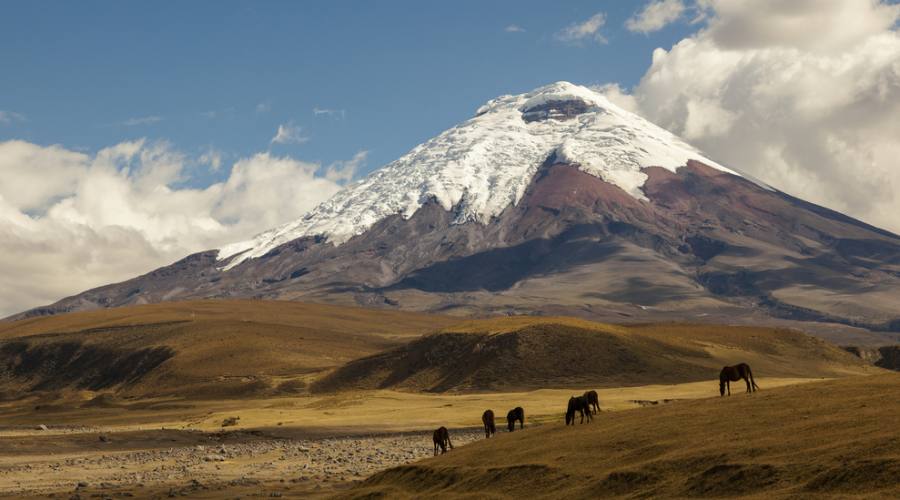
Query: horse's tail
{"points": [[752, 382]]}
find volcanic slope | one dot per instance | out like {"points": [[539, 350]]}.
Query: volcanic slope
{"points": [[833, 438], [558, 201], [196, 349], [526, 353]]}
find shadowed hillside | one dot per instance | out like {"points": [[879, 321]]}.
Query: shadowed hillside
{"points": [[828, 438], [887, 356], [522, 353], [203, 349]]}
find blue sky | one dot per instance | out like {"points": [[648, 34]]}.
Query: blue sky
{"points": [[803, 95], [226, 74]]}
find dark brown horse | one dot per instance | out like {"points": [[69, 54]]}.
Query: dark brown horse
{"points": [[734, 373], [516, 413], [487, 418], [441, 440], [580, 405], [593, 401]]}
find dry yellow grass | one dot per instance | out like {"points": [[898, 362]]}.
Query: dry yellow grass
{"points": [[527, 352], [198, 349], [130, 373], [148, 428], [834, 438], [353, 412]]}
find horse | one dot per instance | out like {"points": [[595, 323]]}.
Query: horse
{"points": [[441, 439], [578, 404], [734, 373], [593, 400], [516, 413], [488, 419]]}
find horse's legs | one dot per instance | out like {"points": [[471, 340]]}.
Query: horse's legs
{"points": [[747, 380], [728, 384], [435, 449]]}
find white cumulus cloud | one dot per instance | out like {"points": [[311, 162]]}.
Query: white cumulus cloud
{"points": [[804, 95], [655, 16], [70, 221]]}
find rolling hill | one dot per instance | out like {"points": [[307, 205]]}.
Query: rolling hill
{"points": [[525, 353], [198, 349], [247, 349], [827, 439]]}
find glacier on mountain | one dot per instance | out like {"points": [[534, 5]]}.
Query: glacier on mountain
{"points": [[485, 164]]}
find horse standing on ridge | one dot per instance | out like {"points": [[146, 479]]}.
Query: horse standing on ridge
{"points": [[441, 440], [487, 418], [734, 373], [593, 400], [516, 413], [578, 404]]}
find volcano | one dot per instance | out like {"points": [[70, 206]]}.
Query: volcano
{"points": [[555, 201]]}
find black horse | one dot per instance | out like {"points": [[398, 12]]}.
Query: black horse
{"points": [[441, 440], [734, 373], [516, 413], [487, 418], [578, 404], [593, 400]]}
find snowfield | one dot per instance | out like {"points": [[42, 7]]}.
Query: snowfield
{"points": [[483, 165]]}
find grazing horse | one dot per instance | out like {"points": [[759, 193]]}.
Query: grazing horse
{"points": [[593, 401], [441, 439], [580, 405], [516, 413], [734, 373], [488, 419]]}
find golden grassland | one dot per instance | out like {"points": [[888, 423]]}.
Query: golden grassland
{"points": [[180, 369], [834, 438]]}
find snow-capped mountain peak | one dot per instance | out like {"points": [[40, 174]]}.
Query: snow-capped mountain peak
{"points": [[485, 164]]}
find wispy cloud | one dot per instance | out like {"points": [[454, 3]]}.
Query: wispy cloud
{"points": [[514, 28], [343, 171], [288, 133], [334, 113], [213, 114], [11, 116], [143, 120], [211, 157], [585, 30], [655, 16], [263, 107]]}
